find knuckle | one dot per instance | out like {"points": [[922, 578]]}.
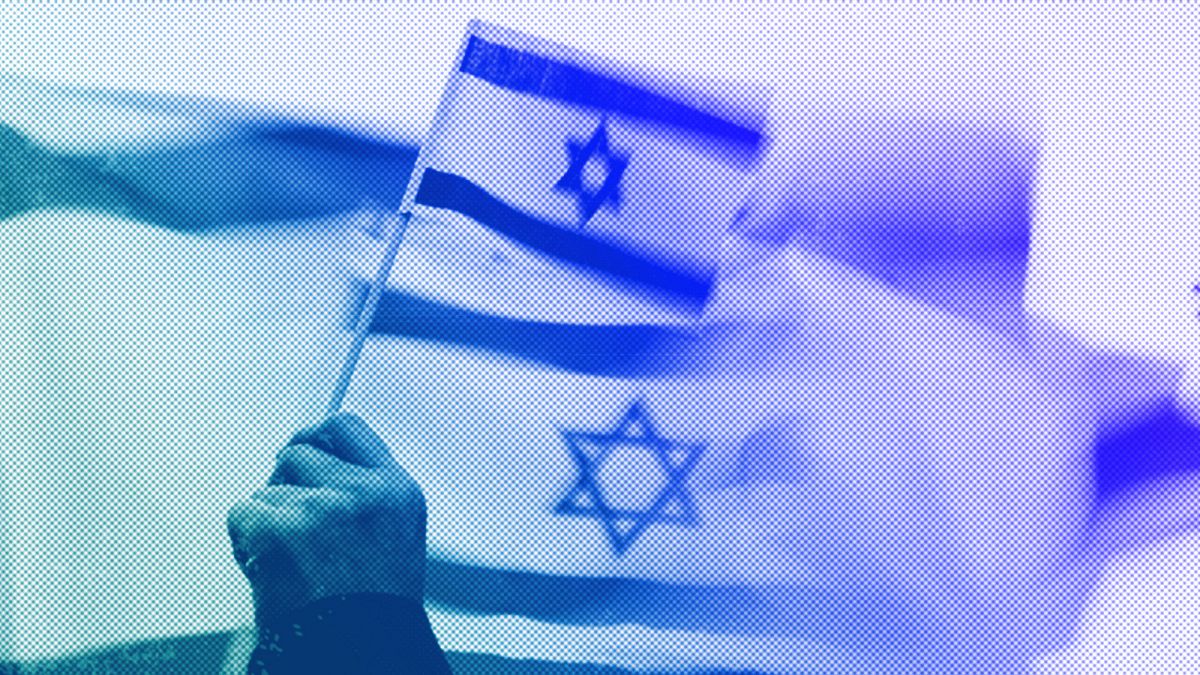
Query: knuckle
{"points": [[360, 500], [251, 532], [296, 524], [327, 508], [411, 494], [360, 493], [408, 515], [412, 497], [312, 504], [383, 504], [240, 517], [394, 491], [289, 456], [345, 421], [399, 480]]}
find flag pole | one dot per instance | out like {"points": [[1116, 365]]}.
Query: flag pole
{"points": [[401, 217], [399, 223]]}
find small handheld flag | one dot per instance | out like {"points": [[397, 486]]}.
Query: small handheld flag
{"points": [[548, 170], [554, 158]]}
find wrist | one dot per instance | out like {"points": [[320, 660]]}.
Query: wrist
{"points": [[358, 633]]}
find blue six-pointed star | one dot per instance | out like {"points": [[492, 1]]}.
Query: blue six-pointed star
{"points": [[594, 189], [659, 478]]}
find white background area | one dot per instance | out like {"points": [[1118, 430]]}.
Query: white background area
{"points": [[1108, 90]]}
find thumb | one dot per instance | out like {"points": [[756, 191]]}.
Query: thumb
{"points": [[348, 438]]}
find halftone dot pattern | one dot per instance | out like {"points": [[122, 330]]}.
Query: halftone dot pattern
{"points": [[171, 321]]}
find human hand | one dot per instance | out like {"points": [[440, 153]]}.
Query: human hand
{"points": [[338, 516]]}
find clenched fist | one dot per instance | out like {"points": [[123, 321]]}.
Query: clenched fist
{"points": [[338, 517]]}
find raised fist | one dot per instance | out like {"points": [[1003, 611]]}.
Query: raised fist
{"points": [[338, 517]]}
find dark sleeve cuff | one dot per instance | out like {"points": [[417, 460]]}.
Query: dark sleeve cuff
{"points": [[365, 634]]}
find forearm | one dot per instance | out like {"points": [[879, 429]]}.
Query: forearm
{"points": [[368, 634]]}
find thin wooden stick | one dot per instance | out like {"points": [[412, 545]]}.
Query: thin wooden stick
{"points": [[365, 317]]}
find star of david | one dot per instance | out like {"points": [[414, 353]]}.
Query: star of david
{"points": [[651, 486], [601, 184]]}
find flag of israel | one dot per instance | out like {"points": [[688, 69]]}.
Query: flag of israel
{"points": [[539, 362], [544, 159]]}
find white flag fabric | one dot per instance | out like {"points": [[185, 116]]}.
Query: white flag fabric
{"points": [[594, 456], [568, 224], [544, 155]]}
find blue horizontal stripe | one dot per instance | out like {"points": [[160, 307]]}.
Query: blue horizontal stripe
{"points": [[634, 350], [534, 74], [842, 616], [448, 191]]}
